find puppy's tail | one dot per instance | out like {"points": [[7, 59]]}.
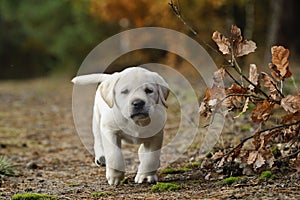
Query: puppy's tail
{"points": [[90, 79]]}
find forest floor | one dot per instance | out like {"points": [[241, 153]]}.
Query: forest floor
{"points": [[38, 135]]}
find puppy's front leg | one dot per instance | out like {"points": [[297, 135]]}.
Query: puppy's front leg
{"points": [[149, 156], [115, 165]]}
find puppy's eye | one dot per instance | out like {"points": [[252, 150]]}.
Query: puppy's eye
{"points": [[148, 91], [125, 91]]}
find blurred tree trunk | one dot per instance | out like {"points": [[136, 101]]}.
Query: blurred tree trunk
{"points": [[250, 19], [272, 34], [289, 30]]}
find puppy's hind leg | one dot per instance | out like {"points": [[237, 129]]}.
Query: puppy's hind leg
{"points": [[98, 146]]}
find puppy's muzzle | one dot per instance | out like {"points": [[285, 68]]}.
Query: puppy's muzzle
{"points": [[138, 109]]}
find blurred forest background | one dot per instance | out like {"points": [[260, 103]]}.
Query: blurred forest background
{"points": [[52, 37]]}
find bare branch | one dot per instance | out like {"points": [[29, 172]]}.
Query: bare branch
{"points": [[277, 90], [177, 12], [260, 132]]}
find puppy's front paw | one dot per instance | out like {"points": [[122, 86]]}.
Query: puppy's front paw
{"points": [[100, 161], [114, 177], [150, 178]]}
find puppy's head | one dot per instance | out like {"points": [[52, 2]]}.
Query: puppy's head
{"points": [[135, 92]]}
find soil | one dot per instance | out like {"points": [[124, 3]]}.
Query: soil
{"points": [[37, 134]]}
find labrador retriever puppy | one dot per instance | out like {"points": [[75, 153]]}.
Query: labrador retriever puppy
{"points": [[130, 106]]}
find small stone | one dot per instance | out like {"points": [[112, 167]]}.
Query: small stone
{"points": [[52, 149], [31, 165]]}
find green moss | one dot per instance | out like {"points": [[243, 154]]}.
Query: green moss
{"points": [[274, 149], [125, 180], [246, 128], [33, 196], [165, 187], [193, 165], [100, 194], [266, 174], [230, 180], [175, 170]]}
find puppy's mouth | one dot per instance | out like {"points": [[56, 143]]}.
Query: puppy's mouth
{"points": [[140, 115], [141, 119]]}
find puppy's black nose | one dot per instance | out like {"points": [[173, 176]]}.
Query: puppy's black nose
{"points": [[138, 103]]}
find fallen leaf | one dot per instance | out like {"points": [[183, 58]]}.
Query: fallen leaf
{"points": [[280, 62], [262, 111], [256, 158], [291, 103], [217, 155], [270, 160], [221, 163], [222, 42], [260, 161], [252, 157]]}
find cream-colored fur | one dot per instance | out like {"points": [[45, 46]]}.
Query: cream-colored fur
{"points": [[129, 105]]}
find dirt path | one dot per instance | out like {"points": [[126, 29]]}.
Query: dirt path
{"points": [[38, 135]]}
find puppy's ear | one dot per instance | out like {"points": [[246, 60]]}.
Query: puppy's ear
{"points": [[107, 90], [163, 90], [163, 94]]}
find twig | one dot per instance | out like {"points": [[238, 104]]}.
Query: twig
{"points": [[280, 126], [289, 156], [177, 12], [241, 95], [239, 145], [255, 86], [235, 63], [260, 132], [228, 73], [250, 82], [237, 68], [278, 91]]}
